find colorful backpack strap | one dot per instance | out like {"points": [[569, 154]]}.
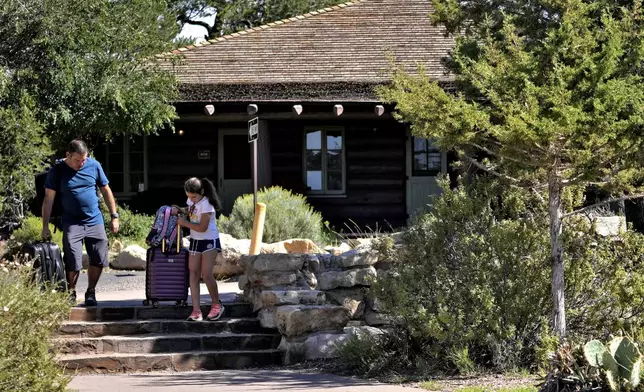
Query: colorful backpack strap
{"points": [[166, 218]]}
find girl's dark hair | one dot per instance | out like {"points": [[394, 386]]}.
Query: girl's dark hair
{"points": [[203, 187]]}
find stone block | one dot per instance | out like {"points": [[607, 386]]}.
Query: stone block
{"points": [[356, 277], [297, 320]]}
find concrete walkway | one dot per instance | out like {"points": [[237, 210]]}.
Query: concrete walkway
{"points": [[229, 381]]}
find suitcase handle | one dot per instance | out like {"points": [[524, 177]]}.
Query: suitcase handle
{"points": [[177, 241]]}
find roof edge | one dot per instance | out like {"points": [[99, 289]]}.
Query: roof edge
{"points": [[296, 18]]}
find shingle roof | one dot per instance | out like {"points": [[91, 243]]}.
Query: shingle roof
{"points": [[346, 43]]}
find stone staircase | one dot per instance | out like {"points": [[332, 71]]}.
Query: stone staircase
{"points": [[135, 338]]}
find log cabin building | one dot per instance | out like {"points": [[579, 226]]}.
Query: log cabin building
{"points": [[322, 130]]}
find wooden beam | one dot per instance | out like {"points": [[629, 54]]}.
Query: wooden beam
{"points": [[297, 109], [241, 116], [209, 109], [338, 110], [252, 109], [379, 110]]}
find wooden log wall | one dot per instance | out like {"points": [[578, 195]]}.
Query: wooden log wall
{"points": [[375, 173]]}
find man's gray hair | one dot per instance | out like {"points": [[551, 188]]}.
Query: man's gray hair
{"points": [[77, 146]]}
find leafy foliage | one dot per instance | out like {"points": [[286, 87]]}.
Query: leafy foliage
{"points": [[86, 65], [23, 147], [28, 319], [460, 282], [550, 95], [30, 232], [230, 16], [132, 226], [288, 216]]}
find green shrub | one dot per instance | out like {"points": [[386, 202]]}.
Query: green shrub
{"points": [[132, 226], [29, 232], [475, 274], [370, 354], [28, 319], [288, 216]]}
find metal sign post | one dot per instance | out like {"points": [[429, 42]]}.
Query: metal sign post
{"points": [[253, 134]]}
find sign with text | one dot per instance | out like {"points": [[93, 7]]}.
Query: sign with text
{"points": [[203, 154], [253, 129]]}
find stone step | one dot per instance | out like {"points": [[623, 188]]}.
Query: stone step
{"points": [[93, 329], [203, 360], [121, 313], [154, 344]]}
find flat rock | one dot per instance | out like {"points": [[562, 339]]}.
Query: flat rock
{"points": [[297, 320], [356, 277], [273, 262], [351, 299], [132, 257]]}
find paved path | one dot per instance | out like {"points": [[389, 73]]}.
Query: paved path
{"points": [[115, 287], [229, 381]]}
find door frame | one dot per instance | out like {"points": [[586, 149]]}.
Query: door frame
{"points": [[409, 155]]}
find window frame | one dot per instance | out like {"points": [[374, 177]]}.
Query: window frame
{"points": [[127, 142], [429, 148], [323, 148]]}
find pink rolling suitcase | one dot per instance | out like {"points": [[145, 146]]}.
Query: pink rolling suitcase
{"points": [[167, 277]]}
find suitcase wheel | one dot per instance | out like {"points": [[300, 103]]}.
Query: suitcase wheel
{"points": [[155, 304], [182, 303], [146, 302]]}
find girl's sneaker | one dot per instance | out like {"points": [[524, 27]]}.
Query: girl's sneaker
{"points": [[195, 316], [215, 312]]}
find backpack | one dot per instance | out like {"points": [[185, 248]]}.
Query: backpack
{"points": [[56, 215], [164, 227]]}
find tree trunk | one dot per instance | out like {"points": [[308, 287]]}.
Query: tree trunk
{"points": [[556, 254]]}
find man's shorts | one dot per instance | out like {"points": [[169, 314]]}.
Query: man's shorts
{"points": [[95, 239], [203, 246]]}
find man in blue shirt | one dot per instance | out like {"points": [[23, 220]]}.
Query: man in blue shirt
{"points": [[76, 178]]}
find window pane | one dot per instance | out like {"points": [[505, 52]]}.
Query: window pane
{"points": [[116, 182], [314, 160], [334, 140], [136, 162], [334, 160], [115, 162], [116, 145], [434, 161], [334, 180], [420, 161], [314, 140], [314, 180], [135, 180], [420, 145], [136, 144]]}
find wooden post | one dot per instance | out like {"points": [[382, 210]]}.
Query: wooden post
{"points": [[258, 229]]}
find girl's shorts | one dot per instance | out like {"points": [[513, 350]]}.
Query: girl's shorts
{"points": [[203, 246]]}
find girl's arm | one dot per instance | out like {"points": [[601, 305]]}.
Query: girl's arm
{"points": [[201, 227]]}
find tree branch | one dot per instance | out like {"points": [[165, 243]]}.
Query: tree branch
{"points": [[497, 154], [579, 211], [488, 169], [184, 19]]}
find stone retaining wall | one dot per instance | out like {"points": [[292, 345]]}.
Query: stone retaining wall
{"points": [[315, 301]]}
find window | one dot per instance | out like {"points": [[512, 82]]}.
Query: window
{"points": [[125, 163], [324, 161], [426, 158]]}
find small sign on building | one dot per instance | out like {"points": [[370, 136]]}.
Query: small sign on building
{"points": [[253, 129], [203, 154]]}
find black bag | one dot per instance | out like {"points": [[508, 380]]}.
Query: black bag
{"points": [[55, 217], [48, 263]]}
